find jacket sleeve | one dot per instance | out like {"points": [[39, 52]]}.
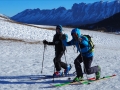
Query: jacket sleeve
{"points": [[53, 42], [85, 45], [65, 43]]}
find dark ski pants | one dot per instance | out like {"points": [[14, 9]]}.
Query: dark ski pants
{"points": [[87, 65], [57, 61]]}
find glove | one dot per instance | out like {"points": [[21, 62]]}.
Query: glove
{"points": [[45, 42]]}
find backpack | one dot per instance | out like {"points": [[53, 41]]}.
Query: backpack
{"points": [[90, 42]]}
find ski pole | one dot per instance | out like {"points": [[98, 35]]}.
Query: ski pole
{"points": [[53, 74], [54, 65], [43, 57], [65, 55]]}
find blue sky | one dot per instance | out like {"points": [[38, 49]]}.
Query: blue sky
{"points": [[12, 7]]}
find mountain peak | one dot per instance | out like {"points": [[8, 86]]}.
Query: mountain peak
{"points": [[79, 14], [61, 9]]}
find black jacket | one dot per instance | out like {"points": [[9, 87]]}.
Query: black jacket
{"points": [[58, 43]]}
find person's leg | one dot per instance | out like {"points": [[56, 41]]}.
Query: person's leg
{"points": [[78, 67], [88, 69], [63, 64], [57, 61]]}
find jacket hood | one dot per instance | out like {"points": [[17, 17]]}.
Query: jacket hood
{"points": [[77, 31], [59, 27]]}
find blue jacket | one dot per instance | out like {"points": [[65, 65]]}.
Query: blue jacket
{"points": [[82, 46]]}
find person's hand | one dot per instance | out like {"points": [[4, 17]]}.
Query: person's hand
{"points": [[45, 42]]}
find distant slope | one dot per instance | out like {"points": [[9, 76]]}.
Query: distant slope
{"points": [[109, 24]]}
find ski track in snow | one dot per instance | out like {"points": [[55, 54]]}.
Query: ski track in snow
{"points": [[20, 60]]}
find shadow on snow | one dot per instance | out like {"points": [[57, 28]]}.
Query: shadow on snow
{"points": [[25, 79]]}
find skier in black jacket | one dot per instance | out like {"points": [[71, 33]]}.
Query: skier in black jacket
{"points": [[59, 51]]}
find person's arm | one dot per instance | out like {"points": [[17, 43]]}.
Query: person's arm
{"points": [[84, 45], [65, 39], [50, 43], [55, 41]]}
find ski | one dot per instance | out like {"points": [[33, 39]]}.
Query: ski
{"points": [[88, 81], [50, 76]]}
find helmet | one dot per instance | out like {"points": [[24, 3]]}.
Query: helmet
{"points": [[77, 31]]}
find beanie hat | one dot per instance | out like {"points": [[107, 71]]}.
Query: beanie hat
{"points": [[59, 27]]}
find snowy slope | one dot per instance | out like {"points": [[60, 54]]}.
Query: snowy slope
{"points": [[20, 60]]}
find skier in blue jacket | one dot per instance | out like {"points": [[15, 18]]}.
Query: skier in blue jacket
{"points": [[85, 56]]}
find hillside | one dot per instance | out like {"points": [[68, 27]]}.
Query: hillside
{"points": [[21, 60]]}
